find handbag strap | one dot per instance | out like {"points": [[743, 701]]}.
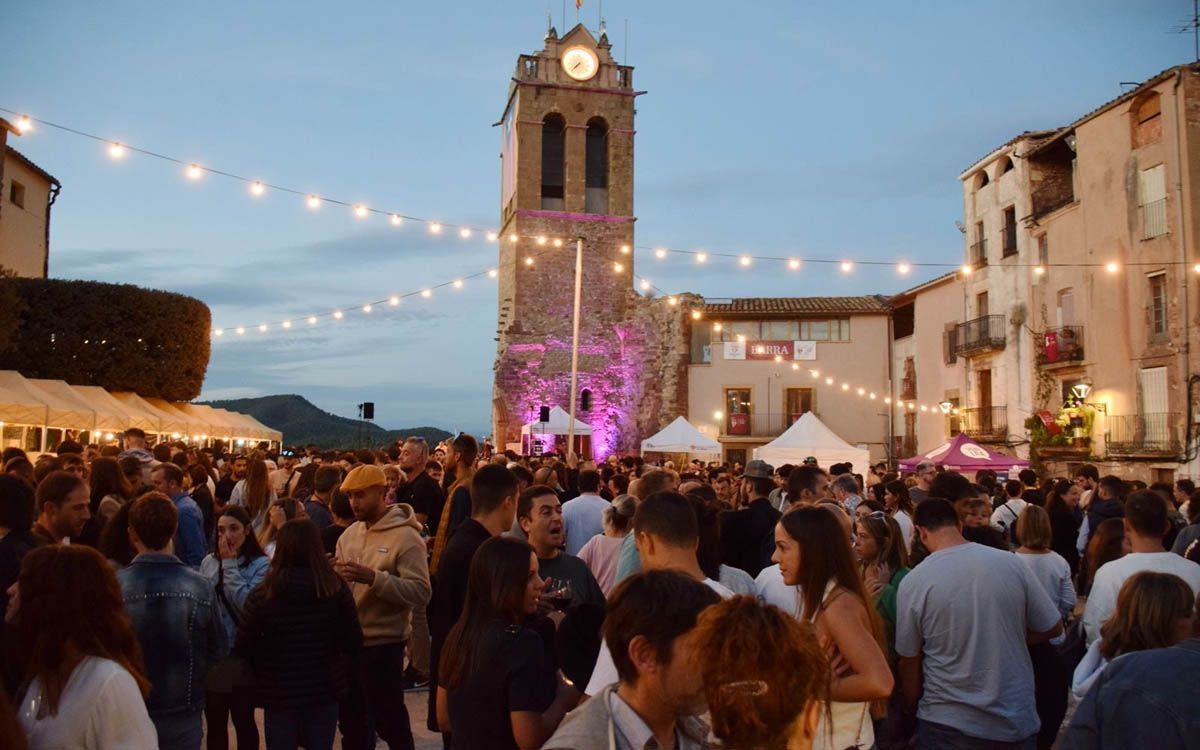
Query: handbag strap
{"points": [[233, 615]]}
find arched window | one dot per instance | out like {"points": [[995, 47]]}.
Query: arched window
{"points": [[554, 130], [585, 399], [596, 167], [1006, 166], [981, 178], [1146, 119]]}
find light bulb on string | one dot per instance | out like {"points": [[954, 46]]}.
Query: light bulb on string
{"points": [[493, 273], [529, 260], [360, 211], [491, 236], [862, 391], [795, 366], [701, 257], [1038, 270], [512, 237], [337, 314], [396, 220], [367, 308], [617, 267], [286, 324], [458, 284], [313, 202], [847, 266], [625, 249], [778, 358], [645, 285], [845, 386], [903, 268], [871, 395], [660, 253], [194, 171], [695, 315], [541, 240], [312, 320], [828, 381], [815, 374], [464, 233], [117, 151], [218, 332], [257, 188], [794, 264], [966, 269], [24, 124], [558, 242], [741, 337], [745, 261], [672, 301], [1196, 268], [435, 228], [887, 399], [241, 331], [1112, 267], [717, 327], [394, 300], [427, 293]]}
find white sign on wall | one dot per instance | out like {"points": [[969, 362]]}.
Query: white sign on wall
{"points": [[806, 350], [735, 350]]}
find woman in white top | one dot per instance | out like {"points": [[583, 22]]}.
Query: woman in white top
{"points": [[813, 551], [81, 657], [900, 507]]}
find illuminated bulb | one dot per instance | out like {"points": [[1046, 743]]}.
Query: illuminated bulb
{"points": [[845, 386], [396, 220], [1196, 268], [717, 327], [312, 320], [718, 414], [815, 373], [912, 406], [360, 211], [366, 308], [1038, 270], [241, 331], [828, 381], [794, 264], [903, 269], [529, 260], [618, 267], [257, 188], [435, 228], [337, 314], [871, 396], [966, 269], [1112, 267], [795, 366], [426, 293], [778, 358], [625, 249], [660, 253], [887, 399], [313, 202], [695, 315], [464, 233], [862, 391], [645, 285], [194, 172], [847, 266], [287, 324], [262, 328], [924, 407], [701, 257], [218, 332], [493, 273], [394, 300], [672, 301], [512, 237], [744, 261], [741, 338], [108, 436], [558, 243], [116, 151], [541, 240], [24, 124], [491, 236], [458, 283]]}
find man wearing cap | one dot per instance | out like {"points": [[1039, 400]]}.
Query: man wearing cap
{"points": [[743, 531], [382, 557]]}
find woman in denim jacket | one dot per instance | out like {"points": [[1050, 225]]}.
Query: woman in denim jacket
{"points": [[237, 567]]}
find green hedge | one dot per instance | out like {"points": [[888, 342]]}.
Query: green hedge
{"points": [[117, 336]]}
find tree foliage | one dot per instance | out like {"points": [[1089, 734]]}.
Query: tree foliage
{"points": [[117, 336]]}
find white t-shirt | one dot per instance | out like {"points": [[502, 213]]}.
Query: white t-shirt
{"points": [[1102, 600], [904, 521], [101, 708], [772, 590], [1005, 517], [605, 672]]}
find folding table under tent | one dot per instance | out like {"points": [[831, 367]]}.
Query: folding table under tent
{"points": [[963, 454], [681, 437], [809, 436], [546, 434]]}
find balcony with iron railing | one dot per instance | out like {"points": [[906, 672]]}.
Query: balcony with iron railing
{"points": [[978, 254], [1059, 346], [767, 425], [1142, 434], [986, 424], [980, 335]]}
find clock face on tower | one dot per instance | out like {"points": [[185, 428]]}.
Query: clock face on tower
{"points": [[580, 63]]}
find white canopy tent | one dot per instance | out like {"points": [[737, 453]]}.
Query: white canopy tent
{"points": [[681, 437], [543, 437], [809, 436], [559, 421]]}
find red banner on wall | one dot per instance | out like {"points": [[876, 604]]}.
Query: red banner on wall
{"points": [[769, 349]]}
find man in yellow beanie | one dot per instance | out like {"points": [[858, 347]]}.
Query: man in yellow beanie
{"points": [[382, 557]]}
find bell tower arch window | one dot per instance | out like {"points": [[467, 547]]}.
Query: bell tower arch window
{"points": [[554, 131], [596, 167]]}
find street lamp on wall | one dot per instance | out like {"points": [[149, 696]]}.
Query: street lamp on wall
{"points": [[1081, 390], [945, 406]]}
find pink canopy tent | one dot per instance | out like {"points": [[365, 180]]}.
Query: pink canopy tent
{"points": [[964, 454]]}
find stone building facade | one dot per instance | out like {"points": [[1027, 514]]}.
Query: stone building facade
{"points": [[27, 192], [568, 174]]}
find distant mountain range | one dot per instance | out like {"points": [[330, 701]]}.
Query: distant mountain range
{"points": [[302, 423]]}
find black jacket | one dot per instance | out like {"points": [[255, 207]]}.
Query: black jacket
{"points": [[743, 533], [297, 643], [1100, 511]]}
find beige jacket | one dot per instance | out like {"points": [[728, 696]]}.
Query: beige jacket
{"points": [[394, 548]]}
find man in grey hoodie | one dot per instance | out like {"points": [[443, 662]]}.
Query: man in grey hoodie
{"points": [[650, 631]]}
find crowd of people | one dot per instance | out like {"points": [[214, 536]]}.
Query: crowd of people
{"points": [[158, 594]]}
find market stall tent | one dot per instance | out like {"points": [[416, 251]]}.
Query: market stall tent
{"points": [[545, 435], [809, 436], [132, 414], [965, 455], [105, 418], [18, 403], [60, 410], [681, 437]]}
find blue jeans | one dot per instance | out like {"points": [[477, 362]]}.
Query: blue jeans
{"points": [[179, 732], [931, 736], [311, 727]]}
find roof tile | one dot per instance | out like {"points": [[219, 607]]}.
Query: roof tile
{"points": [[866, 304]]}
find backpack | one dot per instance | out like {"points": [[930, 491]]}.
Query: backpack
{"points": [[1011, 528]]}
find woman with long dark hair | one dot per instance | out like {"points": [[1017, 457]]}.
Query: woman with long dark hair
{"points": [[1062, 505], [900, 507], [254, 493], [813, 552], [237, 566], [1108, 543], [110, 489], [497, 677], [300, 627], [86, 687]]}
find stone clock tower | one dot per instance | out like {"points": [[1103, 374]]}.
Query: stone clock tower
{"points": [[567, 173]]}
